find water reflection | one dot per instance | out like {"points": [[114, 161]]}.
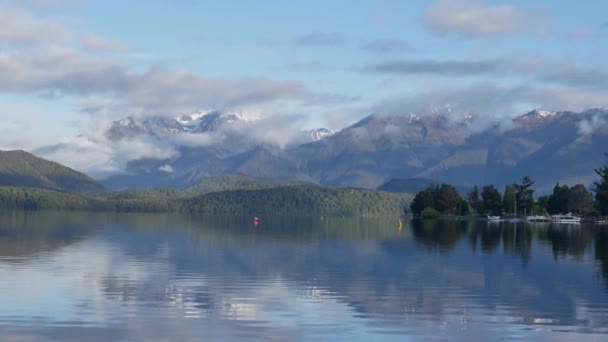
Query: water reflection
{"points": [[23, 234], [155, 277]]}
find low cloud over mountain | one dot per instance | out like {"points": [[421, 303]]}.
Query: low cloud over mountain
{"points": [[440, 143]]}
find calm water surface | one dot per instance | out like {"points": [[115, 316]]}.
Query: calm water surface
{"points": [[107, 277]]}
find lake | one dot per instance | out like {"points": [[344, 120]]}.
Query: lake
{"points": [[143, 277]]}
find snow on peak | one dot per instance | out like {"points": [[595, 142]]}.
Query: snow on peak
{"points": [[321, 133], [193, 118], [246, 115], [127, 122], [543, 113], [185, 119], [198, 117], [538, 113]]}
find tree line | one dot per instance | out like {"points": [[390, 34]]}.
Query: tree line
{"points": [[516, 199], [288, 200]]}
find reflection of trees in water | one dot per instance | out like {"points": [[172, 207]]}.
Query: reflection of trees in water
{"points": [[438, 234], [24, 233], [516, 239], [368, 266], [567, 241], [601, 252]]}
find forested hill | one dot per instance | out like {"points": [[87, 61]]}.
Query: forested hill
{"points": [[31, 183], [205, 186], [287, 200], [299, 200], [20, 168]]}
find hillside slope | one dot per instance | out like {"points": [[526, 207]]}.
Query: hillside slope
{"points": [[20, 168]]}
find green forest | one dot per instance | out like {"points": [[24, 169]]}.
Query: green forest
{"points": [[28, 182], [31, 183], [292, 200], [516, 199]]}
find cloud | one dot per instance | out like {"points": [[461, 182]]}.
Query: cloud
{"points": [[97, 44], [588, 126], [20, 28], [273, 129], [48, 60], [491, 102], [319, 39], [576, 77], [68, 71], [472, 19], [198, 139], [485, 98], [567, 97], [167, 92], [62, 71], [55, 68], [445, 68], [565, 73], [166, 168], [58, 71], [386, 46], [99, 158]]}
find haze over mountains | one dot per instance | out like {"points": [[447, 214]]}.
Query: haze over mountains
{"points": [[461, 149], [137, 104]]}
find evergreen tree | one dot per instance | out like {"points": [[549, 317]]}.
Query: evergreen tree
{"points": [[465, 209], [509, 199], [474, 200], [491, 199], [579, 199], [558, 201], [423, 199], [524, 195], [601, 189], [543, 202], [447, 199]]}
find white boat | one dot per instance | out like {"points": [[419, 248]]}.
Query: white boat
{"points": [[494, 218], [568, 218], [538, 218]]}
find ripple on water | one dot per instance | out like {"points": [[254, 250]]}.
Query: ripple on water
{"points": [[141, 282]]}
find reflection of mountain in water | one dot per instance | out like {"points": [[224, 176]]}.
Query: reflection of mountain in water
{"points": [[460, 264], [23, 234], [434, 271]]}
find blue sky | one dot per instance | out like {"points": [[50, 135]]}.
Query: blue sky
{"points": [[70, 67]]}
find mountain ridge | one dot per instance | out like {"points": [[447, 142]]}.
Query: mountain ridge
{"points": [[442, 144], [21, 168]]}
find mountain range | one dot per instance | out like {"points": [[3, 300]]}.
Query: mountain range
{"points": [[547, 146]]}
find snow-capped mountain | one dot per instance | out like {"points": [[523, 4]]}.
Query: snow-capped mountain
{"points": [[455, 147], [198, 122], [535, 115], [161, 127], [321, 133]]}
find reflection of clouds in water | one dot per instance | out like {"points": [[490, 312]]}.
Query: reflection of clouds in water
{"points": [[137, 284]]}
